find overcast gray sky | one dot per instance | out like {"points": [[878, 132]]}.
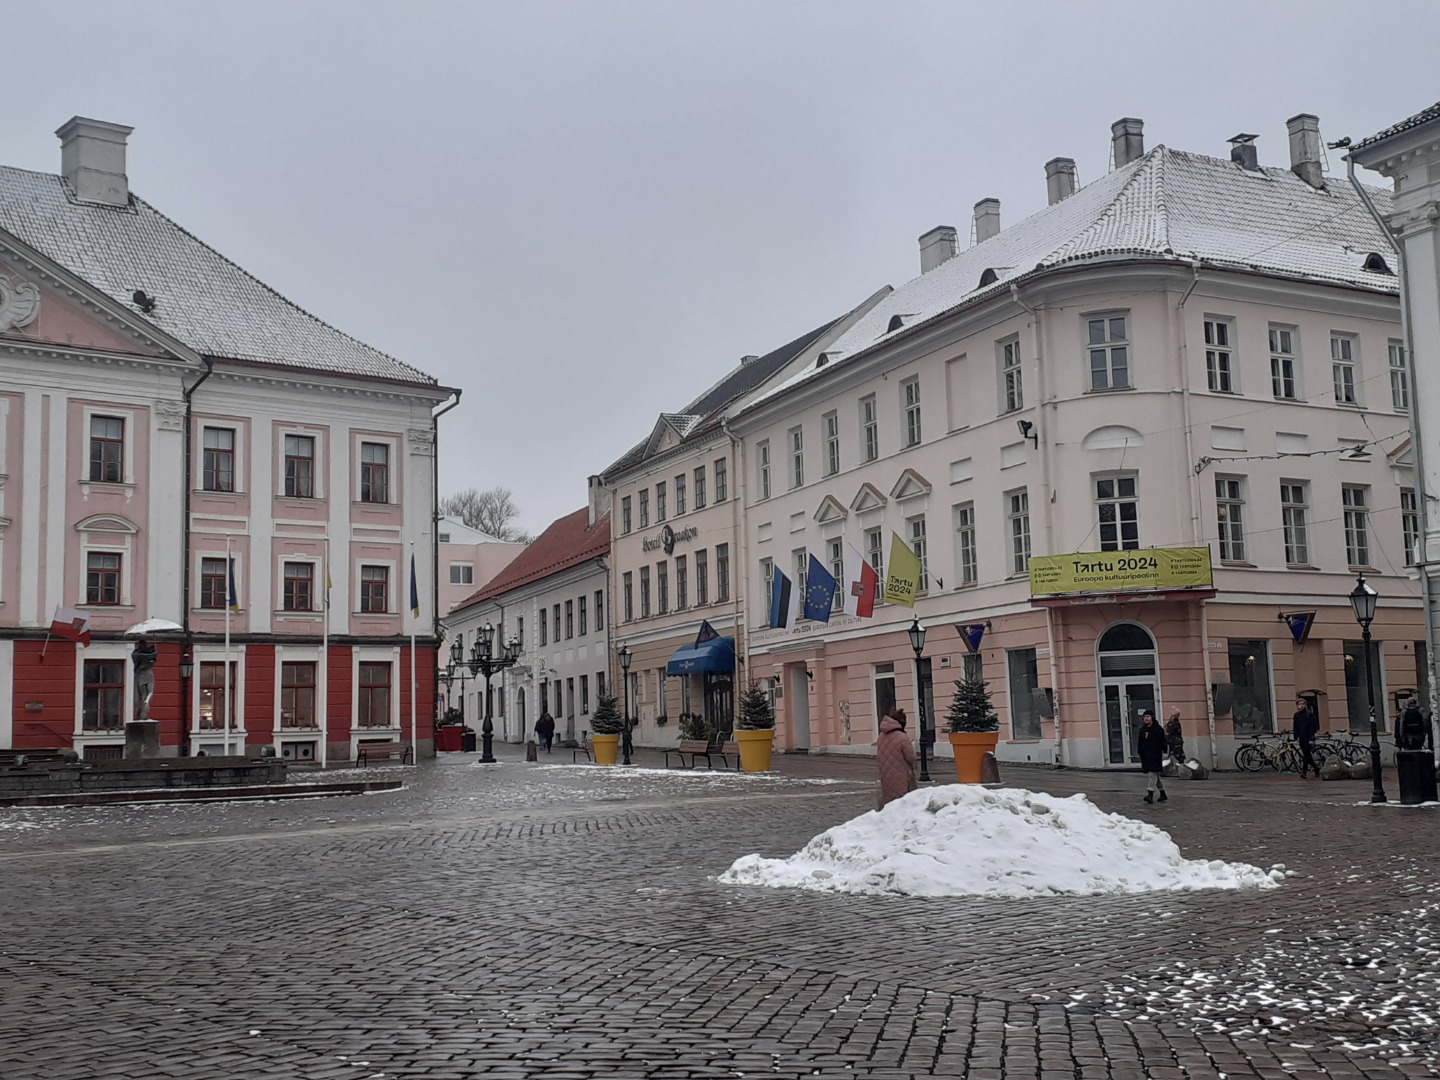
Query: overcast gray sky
{"points": [[583, 213]]}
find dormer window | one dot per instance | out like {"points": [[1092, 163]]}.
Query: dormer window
{"points": [[1375, 262]]}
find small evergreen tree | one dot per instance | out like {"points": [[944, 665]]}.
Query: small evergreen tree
{"points": [[971, 709], [607, 719], [755, 711]]}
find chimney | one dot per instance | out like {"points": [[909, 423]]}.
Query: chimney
{"points": [[1243, 153], [1060, 178], [599, 498], [987, 219], [1305, 149], [1127, 140], [937, 246], [92, 158]]}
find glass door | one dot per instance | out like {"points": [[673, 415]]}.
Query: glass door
{"points": [[1124, 703]]}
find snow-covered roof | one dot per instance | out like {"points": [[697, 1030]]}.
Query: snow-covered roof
{"points": [[202, 298], [1167, 205], [1424, 116]]}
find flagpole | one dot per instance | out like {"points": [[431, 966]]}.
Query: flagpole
{"points": [[229, 606], [414, 618], [325, 664]]}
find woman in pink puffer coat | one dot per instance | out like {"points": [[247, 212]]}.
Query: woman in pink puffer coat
{"points": [[895, 755]]}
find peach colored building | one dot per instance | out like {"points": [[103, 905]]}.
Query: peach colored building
{"points": [[1188, 352], [468, 559], [168, 425]]}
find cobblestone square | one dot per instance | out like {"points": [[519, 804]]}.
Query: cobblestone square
{"points": [[564, 922]]}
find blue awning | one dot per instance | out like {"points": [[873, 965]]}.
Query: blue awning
{"points": [[717, 654]]}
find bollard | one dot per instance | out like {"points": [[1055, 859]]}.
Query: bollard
{"points": [[531, 753]]}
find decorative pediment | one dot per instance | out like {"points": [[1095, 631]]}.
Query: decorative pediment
{"points": [[1113, 437], [830, 510], [867, 498], [105, 523], [669, 431], [910, 485]]}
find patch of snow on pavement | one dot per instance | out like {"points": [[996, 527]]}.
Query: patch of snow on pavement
{"points": [[960, 840]]}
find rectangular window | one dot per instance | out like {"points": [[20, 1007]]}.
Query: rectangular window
{"points": [[583, 616], [916, 527], [722, 482], [762, 467], [298, 591], [660, 501], [627, 596], [584, 694], [884, 678], [300, 466], [212, 696], [520, 633], [1253, 712], [102, 577], [462, 574], [104, 699], [1410, 525], [1219, 361], [682, 583], [374, 701], [212, 584], [679, 494], [837, 571], [797, 457], [555, 622], [645, 509], [1282, 363], [722, 573], [599, 683], [967, 561], [599, 610], [875, 552], [1356, 500], [869, 428], [625, 520], [375, 588], [218, 464], [910, 410], [1357, 686], [767, 585], [662, 587], [1229, 514], [972, 666], [700, 487], [1117, 511], [831, 423], [1295, 520], [1024, 671], [297, 695], [374, 472], [1399, 378], [569, 619], [644, 592], [544, 628], [569, 697], [1108, 339], [1012, 388], [1017, 514], [107, 449], [702, 578], [799, 565], [1342, 368]]}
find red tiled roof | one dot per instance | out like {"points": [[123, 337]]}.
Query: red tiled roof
{"points": [[568, 541]]}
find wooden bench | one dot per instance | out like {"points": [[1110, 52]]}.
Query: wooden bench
{"points": [[373, 753], [700, 748], [730, 748], [583, 748]]}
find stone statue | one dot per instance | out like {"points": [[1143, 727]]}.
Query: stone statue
{"points": [[143, 658]]}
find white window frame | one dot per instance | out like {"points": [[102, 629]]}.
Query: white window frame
{"points": [[830, 422], [392, 467], [127, 446], [1295, 521], [107, 534], [1220, 369], [915, 527], [660, 514], [910, 411], [1012, 374], [1399, 376], [1106, 347], [392, 588], [1356, 503], [373, 654], [644, 500], [1017, 530], [1345, 368], [1118, 501], [319, 488], [237, 458], [869, 428], [462, 566], [679, 494], [698, 491], [875, 551], [836, 549], [1230, 517], [762, 467], [1284, 362], [1410, 525], [800, 566], [795, 440], [967, 555], [627, 518], [317, 585], [767, 587]]}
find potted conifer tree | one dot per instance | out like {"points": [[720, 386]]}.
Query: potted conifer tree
{"points": [[755, 729], [606, 727], [974, 728]]}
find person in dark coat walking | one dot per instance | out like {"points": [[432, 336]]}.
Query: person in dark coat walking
{"points": [[1305, 725], [1151, 745], [1174, 737], [545, 728]]}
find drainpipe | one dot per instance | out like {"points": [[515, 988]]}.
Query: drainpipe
{"points": [[1422, 497], [435, 550], [740, 572], [189, 445]]}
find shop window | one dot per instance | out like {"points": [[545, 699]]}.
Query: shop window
{"points": [[1254, 710], [1024, 672]]}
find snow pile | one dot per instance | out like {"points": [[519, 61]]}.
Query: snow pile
{"points": [[961, 840]]}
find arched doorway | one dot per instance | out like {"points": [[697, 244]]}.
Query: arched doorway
{"points": [[1129, 676]]}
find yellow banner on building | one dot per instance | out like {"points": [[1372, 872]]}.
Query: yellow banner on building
{"points": [[902, 576], [1121, 571]]}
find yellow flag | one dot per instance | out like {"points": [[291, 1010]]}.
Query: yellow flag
{"points": [[902, 576]]}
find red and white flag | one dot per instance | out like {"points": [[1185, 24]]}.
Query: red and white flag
{"points": [[71, 625], [862, 585]]}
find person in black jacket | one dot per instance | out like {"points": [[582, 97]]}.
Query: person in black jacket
{"points": [[1306, 725], [545, 728], [1151, 746]]}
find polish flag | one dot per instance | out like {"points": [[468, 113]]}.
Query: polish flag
{"points": [[862, 585], [71, 625]]}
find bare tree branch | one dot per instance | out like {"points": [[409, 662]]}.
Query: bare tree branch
{"points": [[493, 511]]}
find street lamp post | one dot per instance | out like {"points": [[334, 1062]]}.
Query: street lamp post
{"points": [[624, 656], [1363, 599], [486, 661], [455, 672], [917, 642]]}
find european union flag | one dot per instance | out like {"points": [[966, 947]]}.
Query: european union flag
{"points": [[820, 589]]}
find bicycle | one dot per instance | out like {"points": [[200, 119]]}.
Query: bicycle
{"points": [[1255, 755]]}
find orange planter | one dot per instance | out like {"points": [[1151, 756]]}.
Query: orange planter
{"points": [[970, 750]]}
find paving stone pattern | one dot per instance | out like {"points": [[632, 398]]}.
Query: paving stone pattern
{"points": [[518, 921]]}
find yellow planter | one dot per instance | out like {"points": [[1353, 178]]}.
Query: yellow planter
{"points": [[605, 748], [755, 749], [970, 750]]}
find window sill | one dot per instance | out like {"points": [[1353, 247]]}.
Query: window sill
{"points": [[101, 608], [1237, 564], [301, 500], [966, 585], [1109, 389], [216, 491], [107, 485], [297, 613], [1363, 570], [374, 614], [356, 503], [1302, 566]]}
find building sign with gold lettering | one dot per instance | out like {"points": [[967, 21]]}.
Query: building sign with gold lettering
{"points": [[1121, 571]]}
